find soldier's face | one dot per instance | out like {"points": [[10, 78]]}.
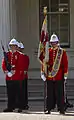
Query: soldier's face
{"points": [[13, 47], [54, 44]]}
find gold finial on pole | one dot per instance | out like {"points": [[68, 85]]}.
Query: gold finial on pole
{"points": [[45, 10]]}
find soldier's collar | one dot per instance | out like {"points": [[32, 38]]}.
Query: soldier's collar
{"points": [[13, 51], [55, 48]]}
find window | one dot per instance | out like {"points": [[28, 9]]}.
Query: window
{"points": [[58, 19]]}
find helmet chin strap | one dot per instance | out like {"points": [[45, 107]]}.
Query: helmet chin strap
{"points": [[54, 45]]}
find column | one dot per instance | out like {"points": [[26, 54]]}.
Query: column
{"points": [[4, 32], [13, 22]]}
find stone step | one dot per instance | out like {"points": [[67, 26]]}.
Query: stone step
{"points": [[35, 87], [35, 81], [35, 93], [33, 105], [36, 96], [29, 99], [38, 92]]}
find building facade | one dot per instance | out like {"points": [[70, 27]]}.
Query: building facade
{"points": [[21, 19]]}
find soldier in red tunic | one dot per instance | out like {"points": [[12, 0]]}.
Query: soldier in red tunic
{"points": [[57, 71], [14, 77], [25, 80]]}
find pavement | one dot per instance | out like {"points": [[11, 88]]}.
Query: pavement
{"points": [[36, 116], [35, 113]]}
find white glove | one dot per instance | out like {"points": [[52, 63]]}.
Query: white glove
{"points": [[9, 74], [43, 77], [65, 78]]}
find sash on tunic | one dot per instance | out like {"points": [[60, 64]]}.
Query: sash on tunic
{"points": [[56, 64]]}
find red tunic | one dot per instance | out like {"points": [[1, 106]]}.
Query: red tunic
{"points": [[15, 60], [63, 66], [24, 65]]}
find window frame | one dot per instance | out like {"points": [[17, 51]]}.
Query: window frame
{"points": [[64, 45]]}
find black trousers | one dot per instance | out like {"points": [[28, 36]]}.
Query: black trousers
{"points": [[26, 92], [15, 93], [23, 93], [55, 95]]}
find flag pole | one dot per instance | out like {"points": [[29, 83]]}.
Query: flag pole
{"points": [[43, 54], [45, 67]]}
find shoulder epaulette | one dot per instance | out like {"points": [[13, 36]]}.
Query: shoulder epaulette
{"points": [[20, 52], [64, 49]]}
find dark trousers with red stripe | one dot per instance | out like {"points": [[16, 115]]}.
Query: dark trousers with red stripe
{"points": [[55, 95], [23, 94], [15, 94], [26, 92]]}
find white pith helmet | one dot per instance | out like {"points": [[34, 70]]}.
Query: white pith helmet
{"points": [[54, 38], [20, 45], [13, 42]]}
